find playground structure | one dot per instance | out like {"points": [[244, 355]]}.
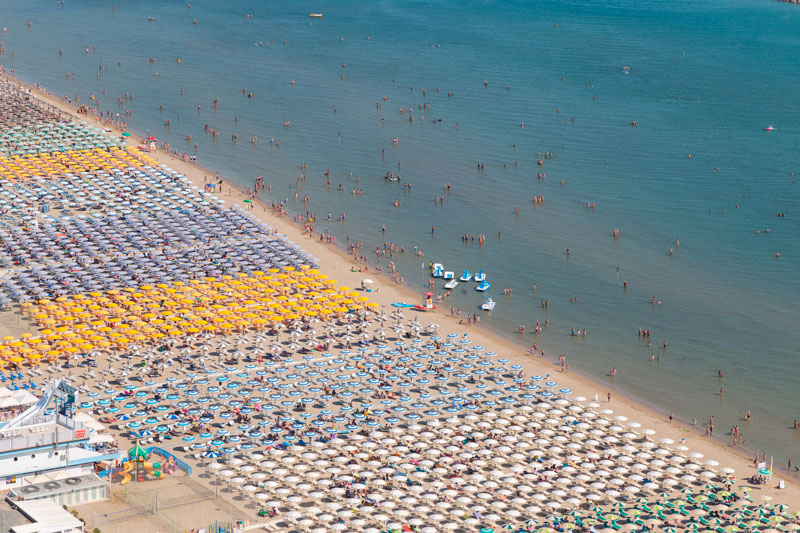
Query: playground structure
{"points": [[137, 466]]}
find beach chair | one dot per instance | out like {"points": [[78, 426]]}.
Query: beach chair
{"points": [[703, 521], [662, 516], [683, 511], [615, 526]]}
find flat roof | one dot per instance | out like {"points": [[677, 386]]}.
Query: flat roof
{"points": [[47, 517], [58, 486]]}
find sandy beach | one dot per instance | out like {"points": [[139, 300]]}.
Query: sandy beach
{"points": [[337, 264]]}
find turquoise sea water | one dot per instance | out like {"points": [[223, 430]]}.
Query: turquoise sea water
{"points": [[704, 79]]}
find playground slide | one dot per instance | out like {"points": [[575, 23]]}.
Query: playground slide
{"points": [[149, 469], [154, 471], [129, 466], [36, 409]]}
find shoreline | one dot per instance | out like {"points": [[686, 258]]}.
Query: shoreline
{"points": [[337, 263]]}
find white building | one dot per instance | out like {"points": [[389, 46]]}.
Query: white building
{"points": [[37, 444], [46, 517]]}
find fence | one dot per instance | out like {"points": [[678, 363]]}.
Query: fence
{"points": [[99, 520], [183, 465]]}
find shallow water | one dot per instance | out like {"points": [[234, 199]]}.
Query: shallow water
{"points": [[704, 79]]}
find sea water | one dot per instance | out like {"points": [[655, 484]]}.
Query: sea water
{"points": [[702, 79]]}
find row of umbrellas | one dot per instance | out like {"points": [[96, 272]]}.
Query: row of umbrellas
{"points": [[356, 458], [18, 109], [48, 137]]}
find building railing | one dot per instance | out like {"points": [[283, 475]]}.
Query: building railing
{"points": [[41, 433]]}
